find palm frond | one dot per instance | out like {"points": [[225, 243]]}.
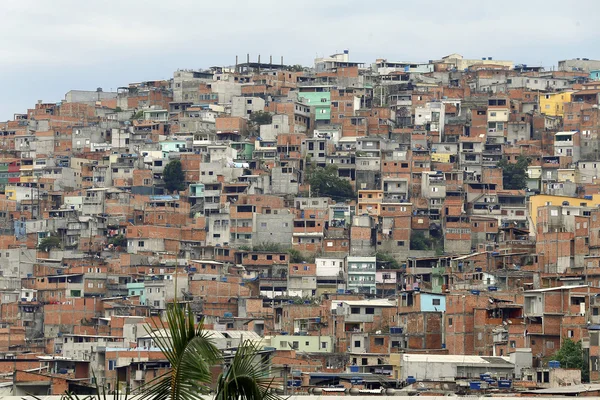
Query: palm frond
{"points": [[190, 351], [246, 377]]}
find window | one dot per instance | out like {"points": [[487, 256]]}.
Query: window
{"points": [[357, 343], [355, 310], [378, 341], [449, 321], [112, 364], [323, 345], [141, 243], [369, 310], [401, 243], [435, 302], [570, 333]]}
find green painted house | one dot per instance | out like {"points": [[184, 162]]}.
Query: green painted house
{"points": [[321, 101]]}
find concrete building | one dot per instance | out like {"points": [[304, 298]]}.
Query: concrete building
{"points": [[437, 367], [244, 106], [272, 228], [301, 343], [361, 274], [578, 64], [89, 96]]}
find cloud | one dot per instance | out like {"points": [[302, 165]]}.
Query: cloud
{"points": [[52, 47]]}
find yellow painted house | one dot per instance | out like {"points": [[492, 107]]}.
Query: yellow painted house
{"points": [[553, 104], [548, 200]]}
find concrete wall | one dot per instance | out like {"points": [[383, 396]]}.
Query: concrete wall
{"points": [[244, 106], [88, 96], [272, 228]]}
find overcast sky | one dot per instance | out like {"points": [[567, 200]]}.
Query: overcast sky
{"points": [[49, 47]]}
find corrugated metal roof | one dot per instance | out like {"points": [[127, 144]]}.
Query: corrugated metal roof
{"points": [[556, 288], [367, 303], [457, 359]]}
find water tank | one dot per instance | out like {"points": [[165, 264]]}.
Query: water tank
{"points": [[504, 383], [476, 385], [553, 364]]}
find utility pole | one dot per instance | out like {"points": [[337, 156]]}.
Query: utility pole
{"points": [[285, 379]]}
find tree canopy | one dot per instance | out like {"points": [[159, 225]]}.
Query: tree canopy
{"points": [[193, 358], [514, 175], [49, 243], [173, 176], [571, 355], [326, 182], [386, 261], [296, 68], [261, 118]]}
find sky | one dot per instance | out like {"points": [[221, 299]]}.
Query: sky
{"points": [[50, 47]]}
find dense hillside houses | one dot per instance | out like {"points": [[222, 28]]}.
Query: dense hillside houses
{"points": [[373, 224]]}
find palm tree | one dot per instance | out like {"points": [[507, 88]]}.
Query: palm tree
{"points": [[246, 377], [191, 353]]}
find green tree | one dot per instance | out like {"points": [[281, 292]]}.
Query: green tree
{"points": [[296, 68], [418, 241], [571, 355], [387, 261], [49, 243], [118, 241], [297, 257], [192, 354], [173, 176], [514, 175], [138, 115], [326, 182], [261, 118]]}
